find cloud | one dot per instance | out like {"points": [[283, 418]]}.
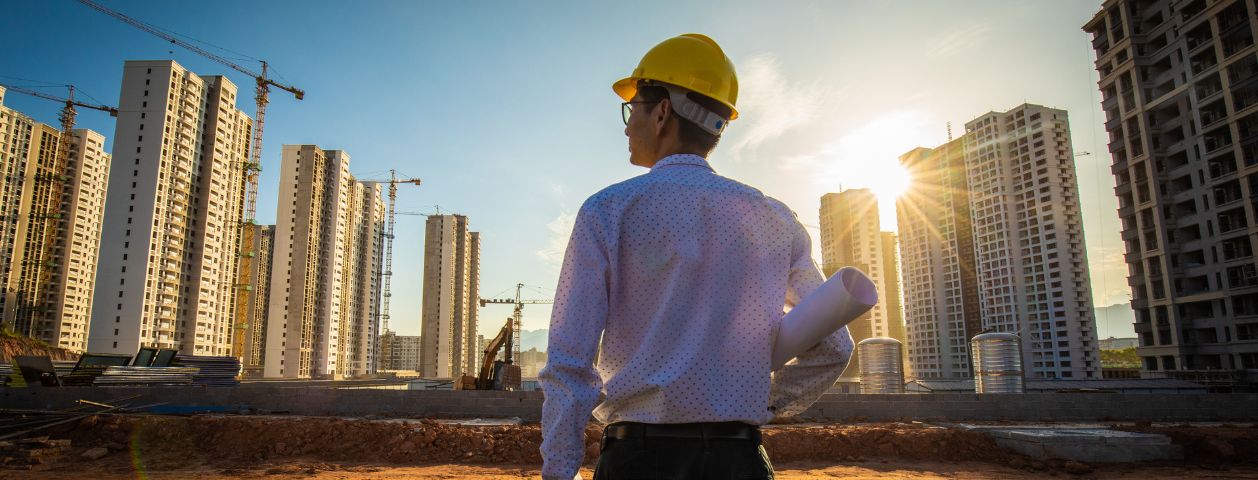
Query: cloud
{"points": [[769, 105], [957, 40], [560, 229]]}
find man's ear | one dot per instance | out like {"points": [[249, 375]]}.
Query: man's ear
{"points": [[663, 110]]}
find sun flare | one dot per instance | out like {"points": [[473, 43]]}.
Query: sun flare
{"points": [[869, 157]]}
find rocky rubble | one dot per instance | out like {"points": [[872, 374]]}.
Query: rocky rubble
{"points": [[32, 453]]}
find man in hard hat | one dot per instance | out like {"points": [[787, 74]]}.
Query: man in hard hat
{"points": [[684, 275]]}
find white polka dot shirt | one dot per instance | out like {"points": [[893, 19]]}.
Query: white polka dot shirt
{"points": [[685, 275]]}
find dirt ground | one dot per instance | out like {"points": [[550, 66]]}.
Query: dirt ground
{"points": [[219, 447], [794, 471]]}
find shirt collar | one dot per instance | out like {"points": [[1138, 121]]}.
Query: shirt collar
{"points": [[682, 159]]}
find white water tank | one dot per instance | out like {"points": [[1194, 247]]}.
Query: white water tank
{"points": [[881, 364], [997, 361]]}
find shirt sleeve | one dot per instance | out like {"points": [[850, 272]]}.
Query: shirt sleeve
{"points": [[570, 383], [798, 384]]}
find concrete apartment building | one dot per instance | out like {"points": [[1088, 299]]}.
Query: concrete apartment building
{"points": [[1031, 267], [323, 268], [531, 362], [851, 237], [1179, 87], [48, 265], [399, 352], [451, 295], [892, 295], [170, 244], [361, 285], [937, 263], [257, 300], [1028, 239]]}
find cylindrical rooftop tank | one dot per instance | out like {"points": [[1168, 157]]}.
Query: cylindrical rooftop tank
{"points": [[881, 364], [997, 361]]}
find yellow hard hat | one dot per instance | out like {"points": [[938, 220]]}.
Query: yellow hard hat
{"points": [[691, 61]]}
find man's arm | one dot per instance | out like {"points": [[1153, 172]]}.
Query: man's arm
{"points": [[569, 380], [801, 382]]}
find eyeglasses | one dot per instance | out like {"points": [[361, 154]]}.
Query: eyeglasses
{"points": [[626, 108]]}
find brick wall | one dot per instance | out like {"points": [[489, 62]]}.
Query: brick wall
{"points": [[528, 405]]}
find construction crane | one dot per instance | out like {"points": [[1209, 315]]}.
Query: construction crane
{"points": [[385, 277], [517, 314], [261, 96], [253, 166], [46, 216]]}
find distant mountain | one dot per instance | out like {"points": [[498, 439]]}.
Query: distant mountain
{"points": [[1115, 321], [533, 339]]}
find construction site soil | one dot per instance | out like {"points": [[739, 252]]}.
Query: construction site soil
{"points": [[15, 346], [218, 446]]}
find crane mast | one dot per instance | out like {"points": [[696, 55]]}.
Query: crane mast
{"points": [[385, 274], [387, 268]]}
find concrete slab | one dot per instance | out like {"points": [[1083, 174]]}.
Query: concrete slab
{"points": [[1096, 445]]}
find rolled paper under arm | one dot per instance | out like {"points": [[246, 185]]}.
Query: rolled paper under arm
{"points": [[846, 295]]}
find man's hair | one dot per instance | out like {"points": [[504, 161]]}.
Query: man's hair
{"points": [[691, 135]]}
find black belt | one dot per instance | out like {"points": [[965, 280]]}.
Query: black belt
{"points": [[713, 430]]}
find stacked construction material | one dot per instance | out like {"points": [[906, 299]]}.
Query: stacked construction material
{"points": [[214, 371], [64, 367], [145, 376], [82, 375], [88, 367]]}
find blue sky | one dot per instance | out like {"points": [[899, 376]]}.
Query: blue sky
{"points": [[505, 110]]}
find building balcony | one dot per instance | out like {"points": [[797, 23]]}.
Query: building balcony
{"points": [[1100, 44], [1198, 42], [1129, 101]]}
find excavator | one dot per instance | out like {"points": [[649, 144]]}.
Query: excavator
{"points": [[495, 374]]}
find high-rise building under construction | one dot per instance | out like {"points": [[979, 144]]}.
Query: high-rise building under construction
{"points": [[451, 297], [937, 266], [252, 350], [1020, 200], [1179, 88], [325, 261], [50, 237], [169, 249], [851, 236]]}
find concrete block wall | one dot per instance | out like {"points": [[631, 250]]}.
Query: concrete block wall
{"points": [[301, 400]]}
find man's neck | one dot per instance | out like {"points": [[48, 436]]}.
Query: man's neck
{"points": [[672, 152]]}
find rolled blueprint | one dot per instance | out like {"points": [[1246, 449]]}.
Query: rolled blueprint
{"points": [[846, 295]]}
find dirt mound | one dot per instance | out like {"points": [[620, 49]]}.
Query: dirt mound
{"points": [[904, 441], [1209, 445], [13, 346], [227, 441], [220, 440]]}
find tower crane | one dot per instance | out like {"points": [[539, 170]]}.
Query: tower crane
{"points": [[252, 167], [516, 315], [45, 216], [386, 273], [262, 95]]}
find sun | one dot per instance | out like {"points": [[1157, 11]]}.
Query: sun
{"points": [[889, 181], [868, 156]]}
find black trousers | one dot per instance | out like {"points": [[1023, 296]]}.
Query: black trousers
{"points": [[667, 458]]}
